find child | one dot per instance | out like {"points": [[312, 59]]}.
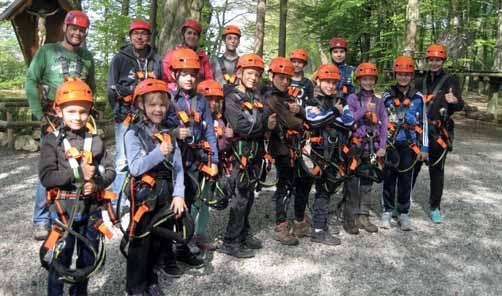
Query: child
{"points": [[148, 157], [408, 140], [301, 87], [368, 146], [213, 92], [75, 168], [249, 120], [326, 109], [197, 139], [286, 148], [338, 50]]}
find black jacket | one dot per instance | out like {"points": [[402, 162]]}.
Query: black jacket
{"points": [[122, 78]]}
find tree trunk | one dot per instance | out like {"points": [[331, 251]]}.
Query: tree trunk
{"points": [[412, 15], [283, 12], [497, 65], [125, 8], [260, 27], [139, 5], [153, 22], [175, 12]]}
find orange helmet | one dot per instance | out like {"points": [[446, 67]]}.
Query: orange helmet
{"points": [[281, 65], [404, 64], [185, 58], [210, 88], [299, 54], [231, 29], [250, 60], [77, 18], [366, 69], [328, 71], [190, 23], [73, 90], [338, 42], [436, 51], [150, 85], [140, 25]]}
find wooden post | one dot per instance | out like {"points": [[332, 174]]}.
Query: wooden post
{"points": [[481, 85], [493, 98], [10, 131]]}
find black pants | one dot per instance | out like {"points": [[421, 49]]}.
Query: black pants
{"points": [[357, 195], [290, 178], [436, 174], [143, 254], [393, 178], [238, 226]]}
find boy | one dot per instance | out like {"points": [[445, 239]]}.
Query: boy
{"points": [[338, 50], [368, 148], [301, 87], [75, 169], [408, 141], [224, 66], [151, 155]]}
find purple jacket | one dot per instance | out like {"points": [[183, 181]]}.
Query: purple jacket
{"points": [[359, 108]]}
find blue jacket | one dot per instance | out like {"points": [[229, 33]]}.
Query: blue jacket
{"points": [[346, 73], [203, 130], [415, 114], [141, 161]]}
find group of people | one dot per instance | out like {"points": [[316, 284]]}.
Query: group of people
{"points": [[194, 133]]}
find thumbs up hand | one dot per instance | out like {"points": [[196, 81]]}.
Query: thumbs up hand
{"points": [[450, 97]]}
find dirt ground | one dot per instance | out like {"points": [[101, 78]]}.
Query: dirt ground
{"points": [[463, 256]]}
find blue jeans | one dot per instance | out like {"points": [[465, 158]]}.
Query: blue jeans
{"points": [[41, 211], [120, 160]]}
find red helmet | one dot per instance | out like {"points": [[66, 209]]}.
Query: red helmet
{"points": [[150, 85], [231, 29], [185, 58], [190, 23], [404, 64], [338, 42], [366, 69], [73, 90], [328, 71], [77, 18], [210, 88], [436, 51], [299, 54], [280, 65], [250, 60], [140, 25]]}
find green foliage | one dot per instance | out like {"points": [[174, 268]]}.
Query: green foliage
{"points": [[12, 66]]}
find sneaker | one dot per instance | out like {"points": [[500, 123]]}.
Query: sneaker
{"points": [[405, 222], [395, 213], [386, 218], [284, 236], [172, 269], [436, 216], [251, 242], [191, 260], [363, 222], [324, 237], [302, 228], [154, 290], [40, 231], [236, 250], [204, 243]]}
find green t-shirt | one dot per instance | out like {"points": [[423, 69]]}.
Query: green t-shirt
{"points": [[46, 70]]}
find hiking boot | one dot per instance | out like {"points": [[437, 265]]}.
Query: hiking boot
{"points": [[172, 269], [324, 237], [350, 226], [284, 235], [40, 231], [436, 216], [251, 242], [204, 243], [405, 222], [154, 290], [302, 228], [236, 250], [386, 219], [363, 222], [191, 260]]}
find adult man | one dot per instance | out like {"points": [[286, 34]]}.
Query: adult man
{"points": [[224, 66], [50, 66], [134, 62]]}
